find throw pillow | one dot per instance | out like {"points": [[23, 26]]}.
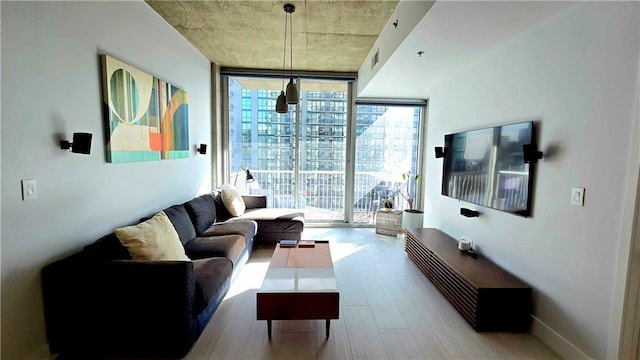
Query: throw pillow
{"points": [[154, 239], [232, 200]]}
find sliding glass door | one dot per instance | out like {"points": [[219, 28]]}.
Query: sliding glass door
{"points": [[298, 158]]}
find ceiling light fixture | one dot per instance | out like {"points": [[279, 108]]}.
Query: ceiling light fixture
{"points": [[291, 96]]}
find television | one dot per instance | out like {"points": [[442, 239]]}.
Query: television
{"points": [[488, 167]]}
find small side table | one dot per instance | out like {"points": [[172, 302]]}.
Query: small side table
{"points": [[388, 222]]}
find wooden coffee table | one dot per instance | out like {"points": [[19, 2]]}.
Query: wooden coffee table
{"points": [[299, 285]]}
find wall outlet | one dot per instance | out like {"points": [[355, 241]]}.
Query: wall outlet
{"points": [[29, 189]]}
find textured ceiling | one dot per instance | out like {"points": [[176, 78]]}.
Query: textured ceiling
{"points": [[327, 35]]}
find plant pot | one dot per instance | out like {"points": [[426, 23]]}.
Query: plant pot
{"points": [[412, 219]]}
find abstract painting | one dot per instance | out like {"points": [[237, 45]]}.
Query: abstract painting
{"points": [[147, 118]]}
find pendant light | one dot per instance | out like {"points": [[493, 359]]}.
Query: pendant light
{"points": [[292, 89], [281, 102]]}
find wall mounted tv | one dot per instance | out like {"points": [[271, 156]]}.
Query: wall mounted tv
{"points": [[487, 167]]}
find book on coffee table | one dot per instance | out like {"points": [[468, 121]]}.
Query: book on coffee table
{"points": [[288, 243], [306, 243]]}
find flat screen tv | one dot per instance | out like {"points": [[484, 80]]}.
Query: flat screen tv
{"points": [[487, 167]]}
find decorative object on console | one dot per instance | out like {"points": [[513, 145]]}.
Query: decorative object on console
{"points": [[81, 143], [489, 167], [146, 118], [202, 149], [468, 212], [464, 244]]}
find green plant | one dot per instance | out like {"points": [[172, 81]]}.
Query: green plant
{"points": [[388, 202], [408, 187]]}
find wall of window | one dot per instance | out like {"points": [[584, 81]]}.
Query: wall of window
{"points": [[300, 158]]}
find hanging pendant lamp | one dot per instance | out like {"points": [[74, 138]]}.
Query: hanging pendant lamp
{"points": [[292, 88], [281, 102]]}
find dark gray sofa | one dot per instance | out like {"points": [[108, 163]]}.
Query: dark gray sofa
{"points": [[99, 303]]}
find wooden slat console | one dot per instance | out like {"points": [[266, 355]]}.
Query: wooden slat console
{"points": [[487, 296]]}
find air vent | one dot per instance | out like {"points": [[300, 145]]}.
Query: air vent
{"points": [[375, 59]]}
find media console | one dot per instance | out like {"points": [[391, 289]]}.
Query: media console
{"points": [[488, 297]]}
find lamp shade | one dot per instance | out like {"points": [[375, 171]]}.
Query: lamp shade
{"points": [[292, 92], [281, 104], [249, 178]]}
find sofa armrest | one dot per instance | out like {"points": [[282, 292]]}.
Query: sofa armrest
{"points": [[121, 308], [148, 307], [255, 201]]}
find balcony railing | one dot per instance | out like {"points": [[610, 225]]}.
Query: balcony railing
{"points": [[322, 193]]}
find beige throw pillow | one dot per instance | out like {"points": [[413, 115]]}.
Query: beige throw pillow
{"points": [[154, 239], [232, 200]]}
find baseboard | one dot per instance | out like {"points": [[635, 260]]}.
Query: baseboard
{"points": [[555, 341]]}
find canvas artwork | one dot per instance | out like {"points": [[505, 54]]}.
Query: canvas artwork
{"points": [[147, 118]]}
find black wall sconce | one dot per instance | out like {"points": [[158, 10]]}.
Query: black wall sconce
{"points": [[468, 212], [530, 153], [440, 152], [81, 143], [202, 150]]}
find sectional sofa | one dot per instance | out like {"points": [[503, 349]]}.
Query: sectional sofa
{"points": [[149, 289]]}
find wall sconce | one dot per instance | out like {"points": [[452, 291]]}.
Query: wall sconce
{"points": [[248, 177], [530, 153], [81, 143], [202, 150]]}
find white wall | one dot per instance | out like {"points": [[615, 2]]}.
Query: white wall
{"points": [[576, 76], [51, 86], [408, 13]]}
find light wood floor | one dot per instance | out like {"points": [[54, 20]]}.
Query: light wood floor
{"points": [[388, 310]]}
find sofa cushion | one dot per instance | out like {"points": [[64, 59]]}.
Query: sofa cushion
{"points": [[246, 228], [233, 201], [202, 211], [212, 278], [277, 214], [181, 221], [229, 246], [154, 239]]}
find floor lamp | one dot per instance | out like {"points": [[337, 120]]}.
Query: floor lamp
{"points": [[248, 177]]}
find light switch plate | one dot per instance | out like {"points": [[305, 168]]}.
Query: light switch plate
{"points": [[29, 189], [577, 196]]}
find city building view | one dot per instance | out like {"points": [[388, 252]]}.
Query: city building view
{"points": [[303, 163]]}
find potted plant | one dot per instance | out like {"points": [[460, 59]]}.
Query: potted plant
{"points": [[410, 217], [388, 203]]}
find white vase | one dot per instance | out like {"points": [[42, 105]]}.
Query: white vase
{"points": [[412, 219]]}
